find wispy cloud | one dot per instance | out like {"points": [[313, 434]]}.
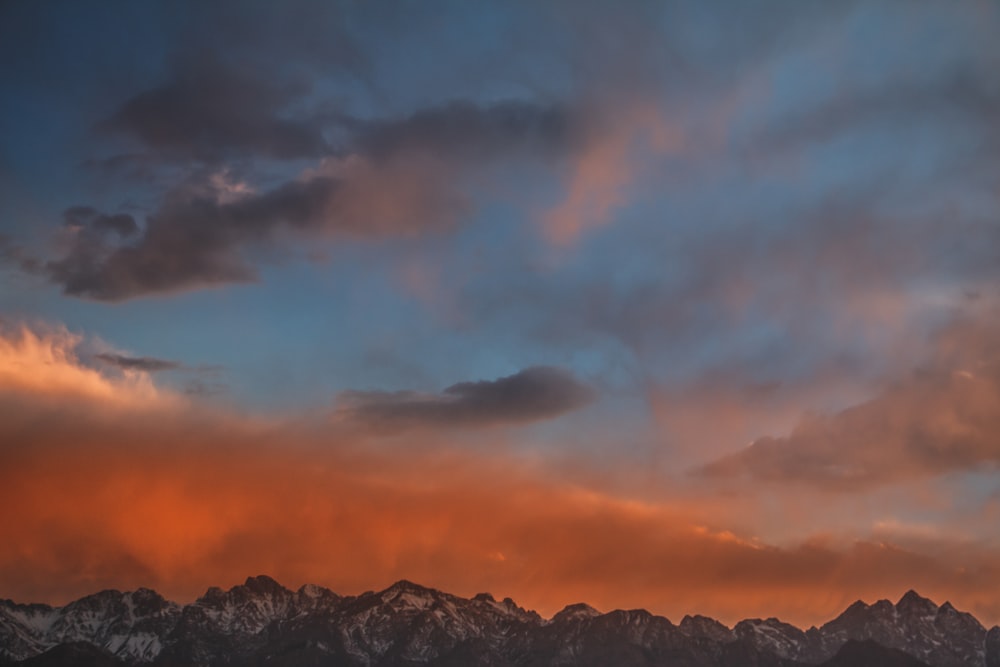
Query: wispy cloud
{"points": [[146, 364]]}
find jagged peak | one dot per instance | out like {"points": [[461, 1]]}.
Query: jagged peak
{"points": [[699, 619], [913, 601], [144, 592], [405, 591], [749, 625], [212, 593], [697, 625], [408, 586], [100, 598], [857, 605], [263, 584], [857, 610], [32, 606], [484, 597], [578, 610], [315, 591], [258, 586]]}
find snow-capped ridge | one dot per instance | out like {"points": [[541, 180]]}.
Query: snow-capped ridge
{"points": [[411, 624], [575, 611]]}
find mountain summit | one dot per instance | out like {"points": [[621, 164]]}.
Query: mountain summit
{"points": [[263, 623]]}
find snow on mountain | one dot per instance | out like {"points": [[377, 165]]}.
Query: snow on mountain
{"points": [[941, 636], [262, 623], [129, 625]]}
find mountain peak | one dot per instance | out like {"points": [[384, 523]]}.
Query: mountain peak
{"points": [[702, 626], [263, 584], [913, 602], [314, 591], [574, 611], [407, 586]]}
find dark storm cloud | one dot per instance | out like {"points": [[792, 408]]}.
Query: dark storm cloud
{"points": [[146, 364], [209, 111], [535, 393], [943, 417]]}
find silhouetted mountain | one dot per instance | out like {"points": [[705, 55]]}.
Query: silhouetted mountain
{"points": [[262, 624]]}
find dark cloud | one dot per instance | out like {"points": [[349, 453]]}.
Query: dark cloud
{"points": [[17, 257], [209, 111], [398, 179], [147, 364], [200, 237], [943, 417], [536, 393], [122, 224], [471, 131]]}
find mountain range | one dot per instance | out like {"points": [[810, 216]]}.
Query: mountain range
{"points": [[263, 624]]}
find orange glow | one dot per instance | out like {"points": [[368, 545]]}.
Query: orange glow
{"points": [[94, 497]]}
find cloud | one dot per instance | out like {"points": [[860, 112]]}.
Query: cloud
{"points": [[942, 417], [601, 174], [535, 393], [467, 131], [43, 364], [80, 217], [398, 178], [204, 232], [209, 111], [99, 489], [11, 254], [146, 364]]}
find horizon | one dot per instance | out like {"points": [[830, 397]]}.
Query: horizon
{"points": [[669, 306]]}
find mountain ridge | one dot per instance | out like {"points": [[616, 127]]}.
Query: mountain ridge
{"points": [[260, 622]]}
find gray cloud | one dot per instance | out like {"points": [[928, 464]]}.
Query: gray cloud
{"points": [[209, 111], [401, 178], [17, 257], [198, 238], [80, 217], [147, 364], [469, 131], [535, 393]]}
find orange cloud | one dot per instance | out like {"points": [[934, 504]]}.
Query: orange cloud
{"points": [[941, 417], [45, 363]]}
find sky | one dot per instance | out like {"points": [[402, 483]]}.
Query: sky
{"points": [[677, 305]]}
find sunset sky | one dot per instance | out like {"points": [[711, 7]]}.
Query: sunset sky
{"points": [[691, 306]]}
